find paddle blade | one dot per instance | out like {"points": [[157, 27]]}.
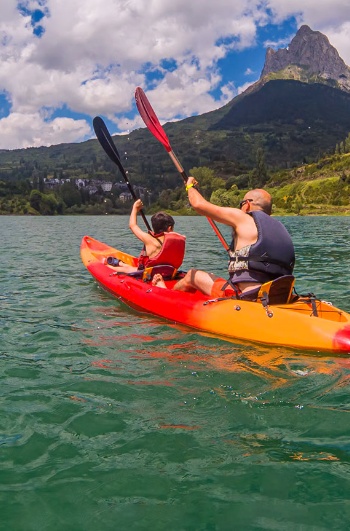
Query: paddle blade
{"points": [[110, 149], [151, 121], [106, 140], [150, 118]]}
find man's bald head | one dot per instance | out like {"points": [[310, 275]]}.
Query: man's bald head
{"points": [[262, 200]]}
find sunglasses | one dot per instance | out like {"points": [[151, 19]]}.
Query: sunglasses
{"points": [[245, 201]]}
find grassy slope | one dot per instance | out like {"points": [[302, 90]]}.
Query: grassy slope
{"points": [[321, 188]]}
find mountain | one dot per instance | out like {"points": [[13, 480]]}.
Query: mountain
{"points": [[296, 112], [310, 58]]}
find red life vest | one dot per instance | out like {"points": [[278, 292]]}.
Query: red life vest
{"points": [[172, 252]]}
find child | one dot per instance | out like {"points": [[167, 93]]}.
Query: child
{"points": [[161, 246]]}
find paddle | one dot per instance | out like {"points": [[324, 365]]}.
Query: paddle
{"points": [[151, 121], [108, 145]]}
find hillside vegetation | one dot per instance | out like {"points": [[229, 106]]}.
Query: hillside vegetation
{"points": [[292, 122], [320, 188]]}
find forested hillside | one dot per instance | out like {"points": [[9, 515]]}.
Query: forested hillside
{"points": [[322, 187]]}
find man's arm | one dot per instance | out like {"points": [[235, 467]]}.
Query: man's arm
{"points": [[226, 215]]}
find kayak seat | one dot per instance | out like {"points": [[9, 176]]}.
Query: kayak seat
{"points": [[278, 291], [167, 271]]}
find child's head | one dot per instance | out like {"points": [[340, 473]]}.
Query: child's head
{"points": [[161, 222]]}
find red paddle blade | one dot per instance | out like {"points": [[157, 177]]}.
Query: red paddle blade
{"points": [[151, 121], [150, 118]]}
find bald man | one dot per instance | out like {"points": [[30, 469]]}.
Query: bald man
{"points": [[261, 248]]}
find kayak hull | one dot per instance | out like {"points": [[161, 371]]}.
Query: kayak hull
{"points": [[291, 325]]}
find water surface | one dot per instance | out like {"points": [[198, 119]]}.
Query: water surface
{"points": [[115, 420]]}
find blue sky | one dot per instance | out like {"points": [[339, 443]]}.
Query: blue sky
{"points": [[63, 62]]}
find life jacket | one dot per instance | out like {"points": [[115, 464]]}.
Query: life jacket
{"points": [[270, 257], [171, 253]]}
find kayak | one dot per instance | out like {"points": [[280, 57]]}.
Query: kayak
{"points": [[303, 323]]}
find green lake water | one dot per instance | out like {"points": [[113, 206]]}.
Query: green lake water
{"points": [[115, 420]]}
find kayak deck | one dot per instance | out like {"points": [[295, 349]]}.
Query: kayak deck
{"points": [[302, 324]]}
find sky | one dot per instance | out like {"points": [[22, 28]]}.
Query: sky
{"points": [[62, 62]]}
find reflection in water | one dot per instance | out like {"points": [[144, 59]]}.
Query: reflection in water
{"points": [[274, 368]]}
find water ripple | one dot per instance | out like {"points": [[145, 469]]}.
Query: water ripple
{"points": [[112, 419]]}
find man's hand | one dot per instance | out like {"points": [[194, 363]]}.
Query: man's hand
{"points": [[191, 180]]}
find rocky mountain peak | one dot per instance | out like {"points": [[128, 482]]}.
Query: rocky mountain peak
{"points": [[312, 52]]}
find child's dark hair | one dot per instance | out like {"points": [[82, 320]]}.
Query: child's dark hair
{"points": [[161, 221]]}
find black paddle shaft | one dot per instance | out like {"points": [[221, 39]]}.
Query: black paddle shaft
{"points": [[110, 149]]}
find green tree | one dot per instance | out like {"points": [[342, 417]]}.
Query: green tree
{"points": [[297, 205], [259, 175], [70, 194], [50, 204], [226, 198], [45, 204], [207, 180], [165, 198], [35, 199], [347, 144]]}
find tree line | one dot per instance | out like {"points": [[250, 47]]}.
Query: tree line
{"points": [[28, 195]]}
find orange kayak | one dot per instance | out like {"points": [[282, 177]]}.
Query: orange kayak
{"points": [[294, 325]]}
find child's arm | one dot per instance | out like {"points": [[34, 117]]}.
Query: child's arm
{"points": [[133, 226]]}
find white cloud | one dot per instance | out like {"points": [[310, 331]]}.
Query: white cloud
{"points": [[31, 130], [91, 56], [339, 37]]}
